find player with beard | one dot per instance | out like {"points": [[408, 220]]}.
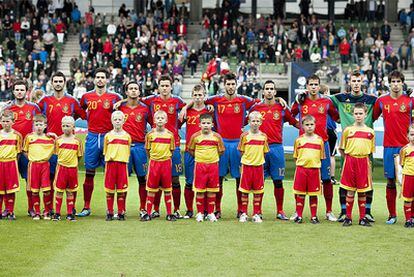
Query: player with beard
{"points": [[98, 105], [23, 112]]}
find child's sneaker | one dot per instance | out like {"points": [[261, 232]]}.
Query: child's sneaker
{"points": [[188, 214], [178, 215], [391, 220], [36, 217], [70, 217], [347, 222], [282, 216], [142, 213], [11, 216], [243, 218], [146, 217], [199, 217], [298, 220], [171, 217], [109, 217], [331, 217], [56, 217], [84, 213], [121, 217], [370, 218], [364, 222], [408, 224], [155, 214], [217, 214], [46, 216], [315, 220], [212, 217], [341, 218], [257, 219], [293, 216]]}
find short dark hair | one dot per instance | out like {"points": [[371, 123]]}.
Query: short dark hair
{"points": [[102, 70], [395, 74], [313, 77], [165, 77], [229, 76], [133, 82], [59, 74], [198, 88], [355, 73], [360, 105], [20, 82], [269, 82], [206, 116]]}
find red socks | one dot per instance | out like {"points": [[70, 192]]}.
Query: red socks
{"points": [[150, 202], [36, 203], [300, 202], [244, 202], [219, 196], [313, 203], [29, 200], [361, 205], [110, 197], [157, 201], [58, 202], [176, 193], [200, 203], [349, 205], [1, 203], [142, 191], [279, 195], [87, 190], [239, 200], [47, 201], [121, 200], [391, 196], [167, 199], [70, 203], [189, 197], [328, 195], [210, 205], [10, 198], [257, 203], [407, 211]]}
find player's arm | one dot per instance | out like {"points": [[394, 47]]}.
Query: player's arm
{"points": [[119, 103], [295, 109], [191, 146], [221, 147], [288, 117], [78, 111], [377, 110], [333, 112]]}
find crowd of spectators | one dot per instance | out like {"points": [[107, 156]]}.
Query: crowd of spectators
{"points": [[30, 35]]}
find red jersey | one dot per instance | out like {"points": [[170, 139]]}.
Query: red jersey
{"points": [[319, 109], [230, 114], [55, 109], [23, 117], [136, 120], [397, 118], [193, 124], [99, 110], [273, 118], [171, 106]]}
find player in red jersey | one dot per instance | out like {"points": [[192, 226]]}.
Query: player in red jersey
{"points": [[230, 112], [319, 106], [273, 117], [172, 105], [192, 127], [98, 105], [137, 115], [23, 123], [396, 108]]}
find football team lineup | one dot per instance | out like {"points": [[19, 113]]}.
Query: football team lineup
{"points": [[37, 142]]}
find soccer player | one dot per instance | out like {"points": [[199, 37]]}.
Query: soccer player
{"points": [[116, 150], [23, 112], [253, 146], [396, 108], [273, 117], [160, 145], [309, 150], [230, 111], [344, 103], [193, 126], [10, 148], [357, 143], [407, 191], [320, 107], [171, 105], [206, 146], [69, 150], [39, 148], [98, 105], [137, 116]]}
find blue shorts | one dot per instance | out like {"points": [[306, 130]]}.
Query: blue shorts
{"points": [[53, 163], [138, 159], [94, 144], [326, 164], [389, 165], [275, 162], [23, 164], [177, 165], [230, 160], [188, 168]]}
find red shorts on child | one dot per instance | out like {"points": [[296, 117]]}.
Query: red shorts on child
{"points": [[159, 176], [356, 174], [9, 177], [39, 176], [307, 181], [116, 177], [252, 179], [206, 177], [407, 189], [66, 178]]}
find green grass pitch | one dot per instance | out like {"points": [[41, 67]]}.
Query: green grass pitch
{"points": [[93, 247]]}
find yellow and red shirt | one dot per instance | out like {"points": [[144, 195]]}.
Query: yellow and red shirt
{"points": [[407, 160], [117, 147], [309, 151], [207, 148], [160, 145], [39, 148], [10, 146], [68, 151], [254, 148], [358, 141]]}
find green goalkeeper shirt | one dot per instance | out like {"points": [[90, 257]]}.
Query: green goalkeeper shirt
{"points": [[344, 103]]}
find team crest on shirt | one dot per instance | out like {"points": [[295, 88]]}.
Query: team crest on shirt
{"points": [[28, 116], [403, 108], [321, 109], [171, 109], [65, 108], [276, 115], [106, 104], [138, 117], [237, 108]]}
